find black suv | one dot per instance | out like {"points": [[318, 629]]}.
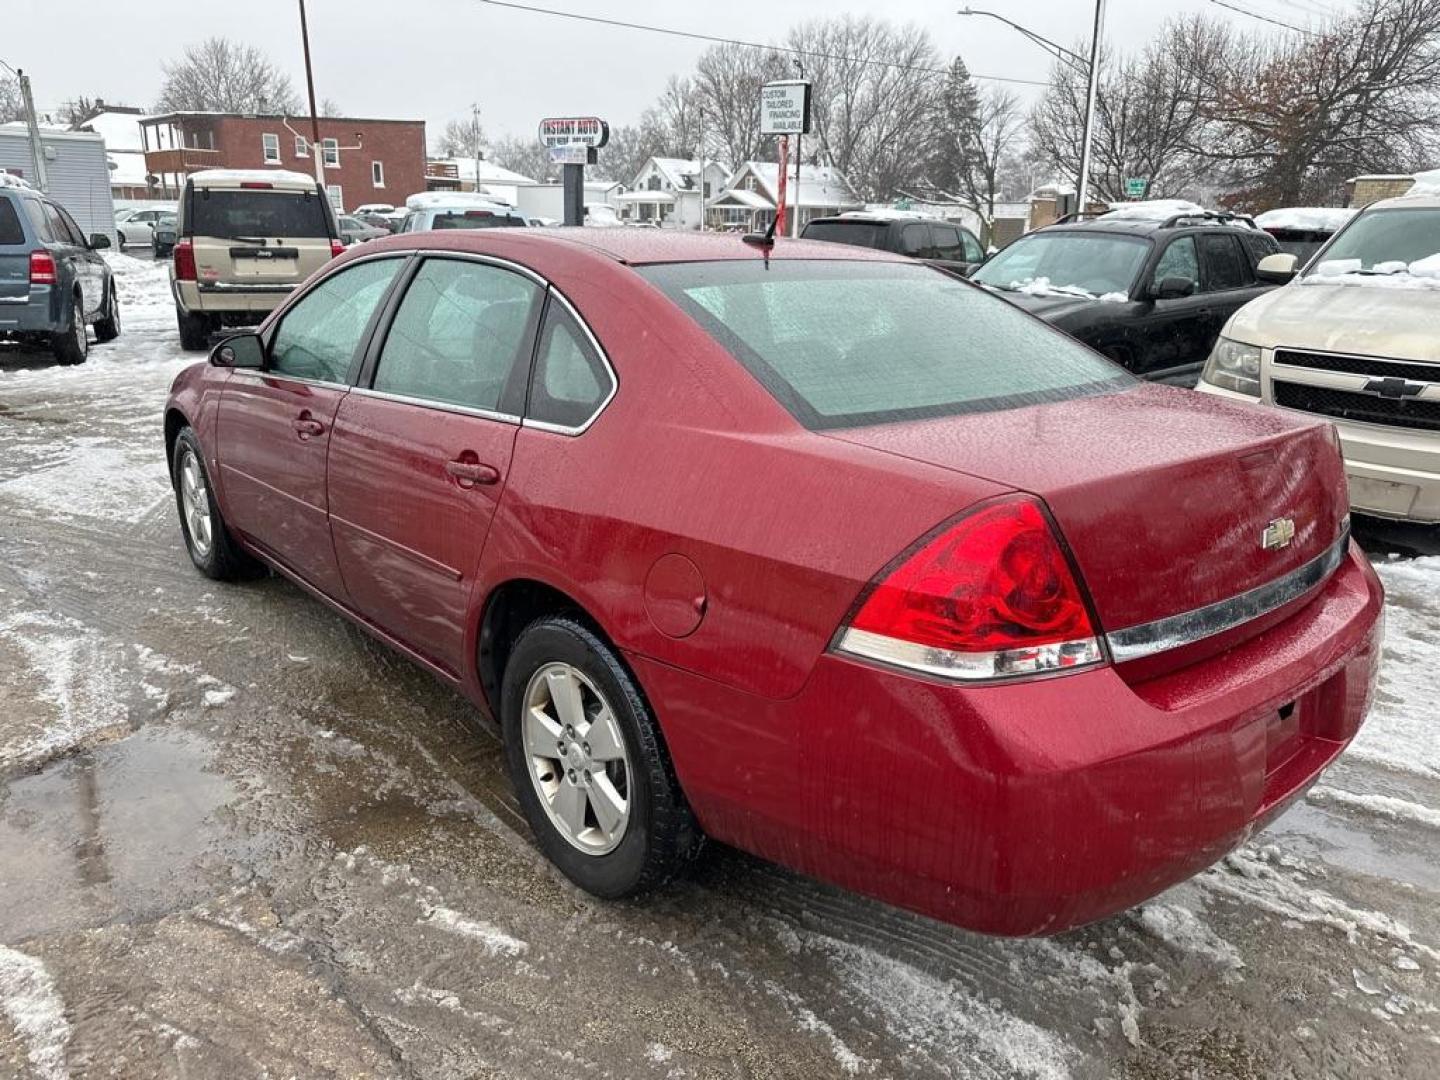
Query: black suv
{"points": [[940, 243], [1151, 293]]}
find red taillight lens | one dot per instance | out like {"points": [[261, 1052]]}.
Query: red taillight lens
{"points": [[337, 247], [42, 268], [992, 596], [184, 254]]}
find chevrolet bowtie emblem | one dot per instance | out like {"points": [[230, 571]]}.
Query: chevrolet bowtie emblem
{"points": [[1394, 388], [1278, 534]]}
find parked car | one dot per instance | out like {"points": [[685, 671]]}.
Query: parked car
{"points": [[355, 231], [1150, 293], [1303, 230], [246, 239], [940, 243], [814, 550], [462, 215], [1355, 339], [163, 235], [134, 224], [53, 281]]}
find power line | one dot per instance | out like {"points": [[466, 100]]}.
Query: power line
{"points": [[671, 32], [1264, 18]]}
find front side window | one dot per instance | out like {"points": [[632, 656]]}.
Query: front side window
{"points": [[67, 227], [1224, 265], [915, 240], [1178, 260], [1081, 263], [318, 337], [271, 145], [947, 242], [458, 335], [570, 381], [845, 344], [974, 253]]}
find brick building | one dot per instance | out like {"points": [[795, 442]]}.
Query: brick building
{"points": [[366, 161]]}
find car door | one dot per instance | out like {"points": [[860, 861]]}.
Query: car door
{"points": [[1229, 278], [274, 425], [422, 448], [1169, 332], [73, 256]]}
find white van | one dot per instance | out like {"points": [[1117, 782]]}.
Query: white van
{"points": [[1355, 338]]}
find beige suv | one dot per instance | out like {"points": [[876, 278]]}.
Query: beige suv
{"points": [[246, 239], [1355, 338]]}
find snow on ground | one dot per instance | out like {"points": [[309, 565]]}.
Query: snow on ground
{"points": [[29, 1000]]}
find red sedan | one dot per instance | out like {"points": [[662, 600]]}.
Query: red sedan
{"points": [[813, 550]]}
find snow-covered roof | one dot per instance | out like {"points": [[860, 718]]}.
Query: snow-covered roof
{"points": [[882, 213], [440, 200], [252, 176], [120, 130], [745, 198], [48, 132], [1306, 218], [10, 180], [1154, 209], [1426, 183], [645, 196], [683, 173], [490, 173], [820, 185], [127, 167]]}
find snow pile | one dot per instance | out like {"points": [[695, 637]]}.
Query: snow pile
{"points": [[1326, 219], [1384, 806], [251, 176], [28, 997], [12, 181], [1420, 274], [1153, 209], [1426, 183], [442, 200], [1181, 928], [1042, 286]]}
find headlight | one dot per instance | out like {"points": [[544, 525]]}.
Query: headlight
{"points": [[1234, 366]]}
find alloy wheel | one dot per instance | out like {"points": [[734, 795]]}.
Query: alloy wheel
{"points": [[195, 500], [576, 757]]}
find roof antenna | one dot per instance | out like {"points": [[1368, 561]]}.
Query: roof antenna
{"points": [[765, 239]]}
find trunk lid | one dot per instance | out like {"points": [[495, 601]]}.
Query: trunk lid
{"points": [[14, 273], [1163, 495]]}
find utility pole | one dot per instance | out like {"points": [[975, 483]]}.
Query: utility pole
{"points": [[1083, 186], [700, 125], [475, 134], [37, 148], [795, 226], [315, 147]]}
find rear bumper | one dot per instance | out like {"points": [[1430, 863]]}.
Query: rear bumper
{"points": [[34, 313], [223, 298], [1031, 808]]}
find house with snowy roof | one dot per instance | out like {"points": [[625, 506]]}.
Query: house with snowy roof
{"points": [[670, 192], [749, 201], [124, 152]]}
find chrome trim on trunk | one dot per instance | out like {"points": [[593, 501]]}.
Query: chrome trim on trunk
{"points": [[1146, 639]]}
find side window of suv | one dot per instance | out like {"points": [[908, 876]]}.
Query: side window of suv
{"points": [[1224, 266], [39, 222], [10, 230], [974, 253], [58, 229], [1178, 260], [915, 241], [570, 381], [317, 337], [946, 239]]}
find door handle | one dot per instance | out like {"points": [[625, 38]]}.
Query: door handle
{"points": [[469, 473], [306, 426]]}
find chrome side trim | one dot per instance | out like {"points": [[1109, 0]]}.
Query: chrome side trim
{"points": [[1188, 627], [278, 376], [563, 429], [441, 406]]}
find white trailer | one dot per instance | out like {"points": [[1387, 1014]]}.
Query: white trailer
{"points": [[75, 166]]}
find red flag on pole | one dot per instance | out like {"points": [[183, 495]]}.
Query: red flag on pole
{"points": [[780, 201]]}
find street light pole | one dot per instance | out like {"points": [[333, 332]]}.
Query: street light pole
{"points": [[1083, 187], [37, 147], [315, 147]]}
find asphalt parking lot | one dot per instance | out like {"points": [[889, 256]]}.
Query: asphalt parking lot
{"points": [[238, 838]]}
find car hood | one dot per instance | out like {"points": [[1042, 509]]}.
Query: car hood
{"points": [[1369, 320], [1052, 308]]}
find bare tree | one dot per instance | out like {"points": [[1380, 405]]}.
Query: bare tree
{"points": [[79, 110], [220, 75], [630, 146], [524, 156], [463, 138], [330, 107], [876, 97], [12, 106], [1295, 116], [727, 84], [976, 148], [677, 114]]}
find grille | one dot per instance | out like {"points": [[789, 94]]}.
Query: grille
{"points": [[1359, 365], [1415, 413]]}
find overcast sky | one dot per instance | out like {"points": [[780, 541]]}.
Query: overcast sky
{"points": [[430, 59]]}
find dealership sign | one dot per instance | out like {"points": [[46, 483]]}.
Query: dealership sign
{"points": [[571, 154], [785, 108], [574, 131]]}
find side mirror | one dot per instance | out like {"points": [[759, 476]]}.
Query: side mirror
{"points": [[99, 241], [239, 351], [1172, 288], [1277, 269]]}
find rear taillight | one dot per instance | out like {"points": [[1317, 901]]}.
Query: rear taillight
{"points": [[990, 597], [42, 268], [184, 254], [337, 247]]}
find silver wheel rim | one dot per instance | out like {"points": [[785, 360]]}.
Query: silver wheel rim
{"points": [[576, 758], [195, 502]]}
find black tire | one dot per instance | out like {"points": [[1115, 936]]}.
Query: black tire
{"points": [[194, 330], [72, 344], [222, 559], [107, 328], [661, 834]]}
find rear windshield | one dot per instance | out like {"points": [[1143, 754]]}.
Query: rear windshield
{"points": [[10, 231], [472, 220], [843, 344], [869, 234], [233, 214]]}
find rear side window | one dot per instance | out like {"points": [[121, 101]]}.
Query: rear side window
{"points": [[1224, 268], [10, 230], [458, 334], [868, 234], [570, 381], [947, 242], [38, 221], [843, 344], [230, 215], [318, 336]]}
